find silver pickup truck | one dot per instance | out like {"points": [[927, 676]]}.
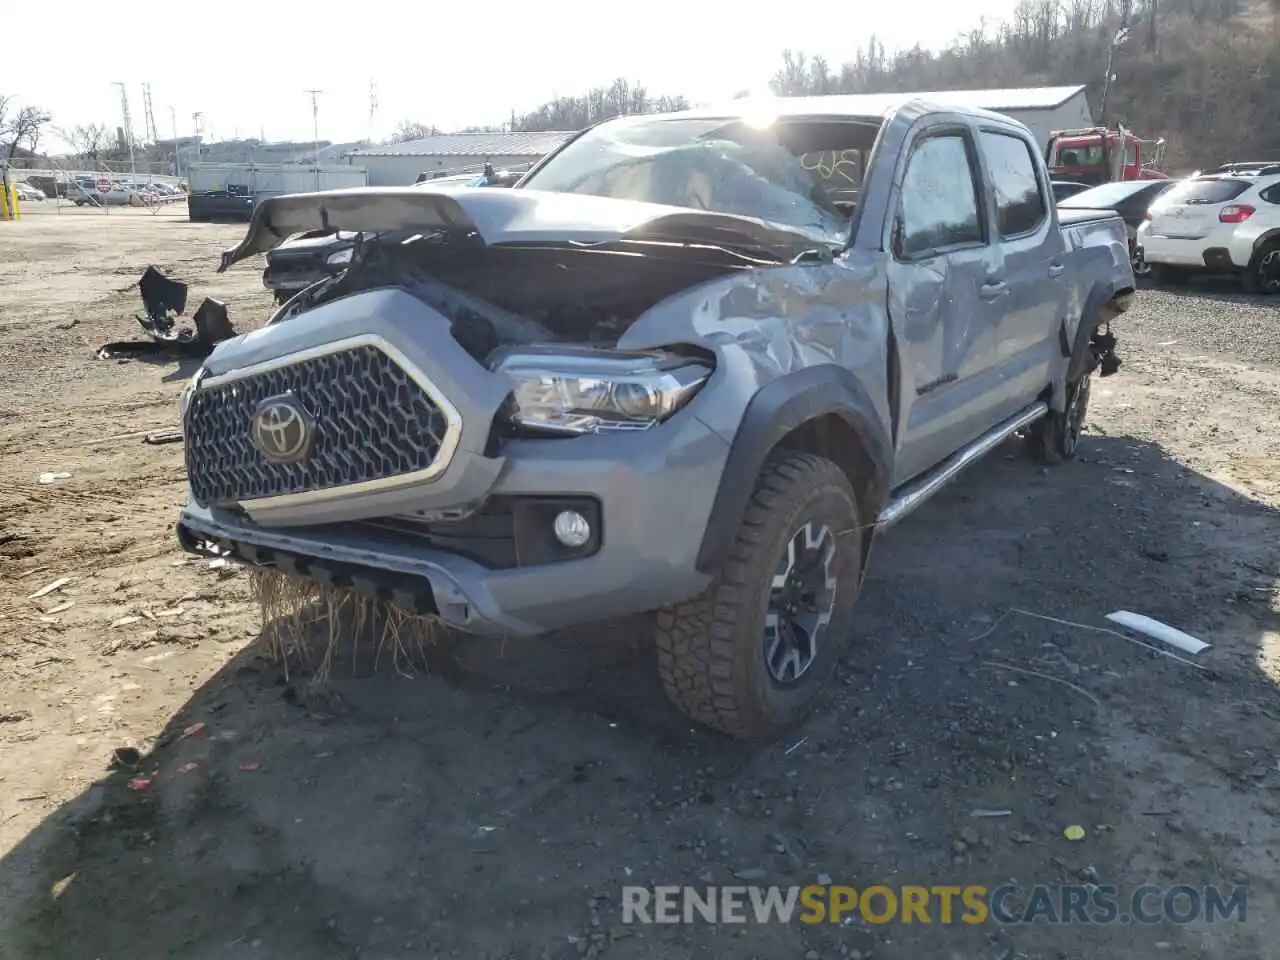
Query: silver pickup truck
{"points": [[691, 364]]}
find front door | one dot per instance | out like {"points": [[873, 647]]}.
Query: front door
{"points": [[948, 290]]}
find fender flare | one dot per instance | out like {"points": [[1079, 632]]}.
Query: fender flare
{"points": [[1263, 240], [777, 409]]}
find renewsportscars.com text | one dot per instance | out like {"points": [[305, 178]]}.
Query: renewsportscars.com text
{"points": [[940, 904]]}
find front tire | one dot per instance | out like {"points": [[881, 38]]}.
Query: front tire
{"points": [[749, 656]]}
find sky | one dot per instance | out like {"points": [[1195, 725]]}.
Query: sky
{"points": [[464, 64]]}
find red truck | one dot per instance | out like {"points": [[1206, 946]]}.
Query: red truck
{"points": [[1097, 155]]}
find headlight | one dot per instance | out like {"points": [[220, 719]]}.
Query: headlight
{"points": [[341, 257], [594, 391], [189, 389]]}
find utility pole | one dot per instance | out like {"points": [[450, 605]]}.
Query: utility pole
{"points": [[1120, 38], [128, 128], [315, 131], [195, 119], [153, 132], [177, 157], [373, 106]]}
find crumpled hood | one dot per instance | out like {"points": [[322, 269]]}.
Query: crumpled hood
{"points": [[305, 243], [507, 216]]}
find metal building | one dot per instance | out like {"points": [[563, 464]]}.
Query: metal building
{"points": [[1042, 109], [399, 164]]}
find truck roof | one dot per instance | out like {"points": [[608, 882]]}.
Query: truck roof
{"points": [[866, 107], [878, 104]]}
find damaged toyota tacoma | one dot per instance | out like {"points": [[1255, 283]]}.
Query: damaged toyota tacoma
{"points": [[692, 364]]}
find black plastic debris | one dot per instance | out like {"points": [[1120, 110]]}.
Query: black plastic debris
{"points": [[213, 325], [163, 436], [161, 296], [163, 300]]}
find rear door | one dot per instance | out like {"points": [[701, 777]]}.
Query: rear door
{"points": [[1018, 366], [947, 293], [1189, 211]]}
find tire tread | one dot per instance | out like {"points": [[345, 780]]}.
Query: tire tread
{"points": [[698, 639]]}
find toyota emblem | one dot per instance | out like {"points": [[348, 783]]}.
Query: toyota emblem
{"points": [[282, 430]]}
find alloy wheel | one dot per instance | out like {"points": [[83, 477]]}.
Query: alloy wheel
{"points": [[1077, 410], [1269, 271], [800, 603]]}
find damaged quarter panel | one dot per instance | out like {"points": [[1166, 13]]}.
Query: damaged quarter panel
{"points": [[1092, 240], [792, 343]]}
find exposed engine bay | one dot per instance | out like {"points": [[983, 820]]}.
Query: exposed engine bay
{"points": [[515, 294]]}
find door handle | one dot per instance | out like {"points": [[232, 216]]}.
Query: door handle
{"points": [[1055, 270], [993, 289]]}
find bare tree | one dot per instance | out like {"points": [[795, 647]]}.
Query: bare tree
{"points": [[19, 129], [407, 130], [91, 141], [619, 99]]}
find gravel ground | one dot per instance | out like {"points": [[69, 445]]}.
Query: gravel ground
{"points": [[1211, 315], [496, 807]]}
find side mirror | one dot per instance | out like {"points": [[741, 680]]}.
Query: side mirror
{"points": [[895, 237]]}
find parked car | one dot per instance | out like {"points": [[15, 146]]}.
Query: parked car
{"points": [[666, 372], [1130, 199], [1227, 221], [26, 192], [1062, 189], [313, 256], [233, 203], [305, 259]]}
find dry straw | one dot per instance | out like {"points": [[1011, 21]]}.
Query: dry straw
{"points": [[292, 607]]}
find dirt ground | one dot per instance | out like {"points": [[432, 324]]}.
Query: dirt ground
{"points": [[496, 807]]}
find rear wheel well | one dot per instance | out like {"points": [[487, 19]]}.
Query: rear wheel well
{"points": [[834, 438], [1268, 239]]}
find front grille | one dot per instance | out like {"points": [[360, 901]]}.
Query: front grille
{"points": [[372, 421], [296, 263]]}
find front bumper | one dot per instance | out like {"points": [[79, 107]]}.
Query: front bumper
{"points": [[654, 490]]}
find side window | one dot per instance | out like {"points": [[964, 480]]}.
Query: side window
{"points": [[1271, 194], [1020, 206], [939, 197]]}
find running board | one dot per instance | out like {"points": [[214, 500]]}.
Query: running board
{"points": [[918, 491]]}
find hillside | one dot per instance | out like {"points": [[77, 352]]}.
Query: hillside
{"points": [[1204, 74]]}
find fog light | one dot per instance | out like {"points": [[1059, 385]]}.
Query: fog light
{"points": [[571, 528]]}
